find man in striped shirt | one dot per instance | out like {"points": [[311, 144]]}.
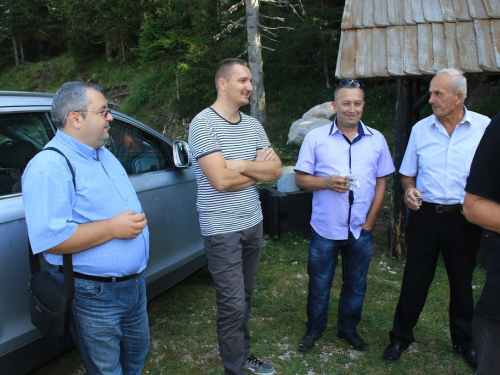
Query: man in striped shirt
{"points": [[231, 154]]}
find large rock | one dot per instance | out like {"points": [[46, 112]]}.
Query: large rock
{"points": [[324, 110], [312, 119]]}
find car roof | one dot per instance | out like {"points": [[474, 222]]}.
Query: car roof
{"points": [[25, 99]]}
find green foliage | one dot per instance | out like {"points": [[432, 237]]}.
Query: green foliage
{"points": [[484, 94], [380, 108], [171, 56], [84, 38], [30, 25], [153, 90], [175, 40], [49, 75], [120, 23]]}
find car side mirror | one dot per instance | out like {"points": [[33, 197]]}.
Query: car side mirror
{"points": [[181, 154], [147, 162]]}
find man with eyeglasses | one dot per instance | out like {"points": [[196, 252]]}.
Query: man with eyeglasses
{"points": [[345, 164], [231, 154], [433, 175], [100, 222]]}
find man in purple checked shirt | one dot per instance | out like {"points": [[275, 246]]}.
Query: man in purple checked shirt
{"points": [[345, 164]]}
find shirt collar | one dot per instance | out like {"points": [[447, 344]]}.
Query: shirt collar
{"points": [[362, 129], [84, 150], [465, 119]]}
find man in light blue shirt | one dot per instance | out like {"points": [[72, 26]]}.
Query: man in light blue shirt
{"points": [[434, 171], [345, 164], [101, 223]]}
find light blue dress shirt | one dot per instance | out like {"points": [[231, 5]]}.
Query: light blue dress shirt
{"points": [[326, 152], [440, 162], [103, 190]]}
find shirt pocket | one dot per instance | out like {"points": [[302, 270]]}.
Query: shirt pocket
{"points": [[465, 159]]}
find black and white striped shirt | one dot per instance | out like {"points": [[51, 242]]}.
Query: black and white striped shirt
{"points": [[225, 211]]}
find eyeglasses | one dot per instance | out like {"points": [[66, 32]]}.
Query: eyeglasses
{"points": [[104, 113], [351, 82]]}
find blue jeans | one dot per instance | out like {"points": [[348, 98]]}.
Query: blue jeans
{"points": [[110, 324], [323, 258]]}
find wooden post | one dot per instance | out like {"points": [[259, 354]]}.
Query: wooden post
{"points": [[409, 102], [404, 113]]}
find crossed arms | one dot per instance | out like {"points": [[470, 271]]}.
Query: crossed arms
{"points": [[234, 175]]}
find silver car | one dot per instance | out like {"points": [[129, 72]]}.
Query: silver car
{"points": [[160, 173]]}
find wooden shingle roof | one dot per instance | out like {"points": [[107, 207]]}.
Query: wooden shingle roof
{"points": [[394, 38]]}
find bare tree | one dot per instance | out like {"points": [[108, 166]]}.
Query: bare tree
{"points": [[258, 97], [14, 45], [255, 29]]}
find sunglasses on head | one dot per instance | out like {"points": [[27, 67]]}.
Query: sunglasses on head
{"points": [[351, 82]]}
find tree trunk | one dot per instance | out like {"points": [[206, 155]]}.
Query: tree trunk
{"points": [[21, 51], [109, 56], [39, 49], [123, 47], [177, 83], [327, 75], [14, 44], [258, 97]]}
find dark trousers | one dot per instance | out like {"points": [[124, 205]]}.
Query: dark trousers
{"points": [[233, 262], [487, 344], [429, 233]]}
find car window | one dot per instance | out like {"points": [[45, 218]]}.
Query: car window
{"points": [[22, 135], [137, 150]]}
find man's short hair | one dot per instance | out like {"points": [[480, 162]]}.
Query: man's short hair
{"points": [[71, 96], [224, 69], [457, 80], [348, 84]]}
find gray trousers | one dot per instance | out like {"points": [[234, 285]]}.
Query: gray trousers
{"points": [[233, 262]]}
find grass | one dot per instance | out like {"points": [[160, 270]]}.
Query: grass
{"points": [[183, 321]]}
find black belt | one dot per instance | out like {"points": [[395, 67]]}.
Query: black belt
{"points": [[103, 279], [442, 208]]}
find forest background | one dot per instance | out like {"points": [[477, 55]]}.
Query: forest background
{"points": [[155, 59]]}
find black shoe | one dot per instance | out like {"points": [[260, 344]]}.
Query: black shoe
{"points": [[306, 343], [355, 340], [469, 356], [393, 352]]}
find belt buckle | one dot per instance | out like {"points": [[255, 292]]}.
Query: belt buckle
{"points": [[439, 208]]}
